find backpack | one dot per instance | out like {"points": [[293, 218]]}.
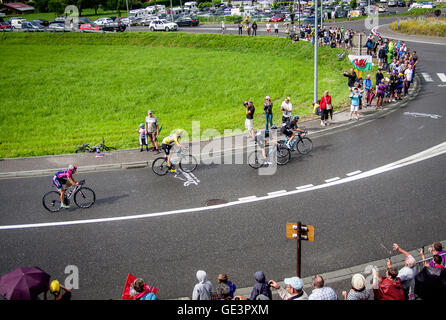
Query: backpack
{"points": [[149, 296]]}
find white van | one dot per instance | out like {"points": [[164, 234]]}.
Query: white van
{"points": [[16, 22]]}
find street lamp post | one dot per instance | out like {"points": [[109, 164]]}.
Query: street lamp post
{"points": [[315, 51]]}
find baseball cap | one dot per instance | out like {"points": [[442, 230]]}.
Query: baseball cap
{"points": [[296, 282], [149, 112], [267, 97], [358, 281]]}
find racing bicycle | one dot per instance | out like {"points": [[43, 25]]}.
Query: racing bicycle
{"points": [[280, 154], [186, 162], [84, 197], [301, 143]]}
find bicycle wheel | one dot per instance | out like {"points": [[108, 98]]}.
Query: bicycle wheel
{"points": [[84, 197], [159, 166], [51, 201], [188, 163], [283, 156], [255, 159], [304, 145]]}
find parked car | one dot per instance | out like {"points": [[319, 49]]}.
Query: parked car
{"points": [[32, 27], [59, 20], [116, 26], [278, 18], [5, 26], [392, 3], [57, 26], [43, 22], [401, 3], [82, 21], [102, 21], [90, 27], [187, 22], [165, 25], [382, 9]]}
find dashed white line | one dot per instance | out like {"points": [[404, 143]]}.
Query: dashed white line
{"points": [[305, 186], [332, 179], [276, 192], [427, 77], [353, 173], [442, 76]]}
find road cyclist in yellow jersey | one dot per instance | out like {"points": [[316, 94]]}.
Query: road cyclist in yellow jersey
{"points": [[167, 144]]}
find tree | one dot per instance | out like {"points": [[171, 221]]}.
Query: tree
{"points": [[56, 6], [353, 4]]}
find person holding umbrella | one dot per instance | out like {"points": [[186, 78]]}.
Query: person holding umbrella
{"points": [[24, 283]]}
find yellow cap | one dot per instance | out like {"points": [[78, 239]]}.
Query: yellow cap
{"points": [[54, 286]]}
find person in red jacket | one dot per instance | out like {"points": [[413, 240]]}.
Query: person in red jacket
{"points": [[388, 288], [326, 108]]}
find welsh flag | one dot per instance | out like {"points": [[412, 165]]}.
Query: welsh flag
{"points": [[361, 63]]}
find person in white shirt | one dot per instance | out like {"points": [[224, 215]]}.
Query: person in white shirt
{"points": [[286, 108]]}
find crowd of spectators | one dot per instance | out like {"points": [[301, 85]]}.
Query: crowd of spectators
{"points": [[403, 284]]}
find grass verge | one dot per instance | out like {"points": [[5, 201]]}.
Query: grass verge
{"points": [[422, 26], [63, 90]]}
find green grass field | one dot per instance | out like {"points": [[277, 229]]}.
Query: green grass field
{"points": [[418, 26], [62, 90]]}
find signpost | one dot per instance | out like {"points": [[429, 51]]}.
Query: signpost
{"points": [[299, 232]]}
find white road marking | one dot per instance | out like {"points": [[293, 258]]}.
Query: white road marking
{"points": [[427, 77], [247, 198], [276, 192], [435, 151], [424, 115], [332, 179], [353, 173], [304, 187], [442, 76]]}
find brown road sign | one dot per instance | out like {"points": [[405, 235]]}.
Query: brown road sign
{"points": [[306, 233]]}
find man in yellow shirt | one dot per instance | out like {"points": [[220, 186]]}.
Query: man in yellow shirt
{"points": [[167, 144]]}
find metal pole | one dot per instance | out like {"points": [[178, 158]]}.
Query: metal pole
{"points": [[299, 224], [359, 44], [322, 15], [316, 40], [128, 15]]}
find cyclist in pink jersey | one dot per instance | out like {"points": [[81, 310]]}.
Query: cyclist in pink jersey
{"points": [[65, 177]]}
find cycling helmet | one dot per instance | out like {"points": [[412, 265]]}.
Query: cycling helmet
{"points": [[179, 132], [54, 287], [142, 124], [295, 118], [72, 167]]}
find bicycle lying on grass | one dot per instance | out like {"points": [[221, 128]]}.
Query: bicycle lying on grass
{"points": [[301, 143], [99, 148], [84, 197], [186, 162]]}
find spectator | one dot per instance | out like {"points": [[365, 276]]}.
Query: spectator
{"points": [[355, 98], [293, 289], [380, 92], [351, 78], [320, 292], [250, 109], [223, 27], [254, 28], [139, 290], [55, 287], [152, 130], [261, 287], [223, 278], [430, 283], [276, 29], [248, 27], [268, 109], [407, 273], [326, 108], [286, 108], [222, 292], [367, 88], [379, 76], [203, 290], [142, 137], [388, 288], [240, 27], [437, 248], [358, 290], [268, 28]]}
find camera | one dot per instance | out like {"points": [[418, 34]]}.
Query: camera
{"points": [[245, 103]]}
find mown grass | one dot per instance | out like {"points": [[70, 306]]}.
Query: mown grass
{"points": [[422, 26], [61, 90]]}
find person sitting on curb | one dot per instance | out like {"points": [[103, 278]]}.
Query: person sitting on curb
{"points": [[388, 288], [358, 290], [320, 292], [293, 289]]}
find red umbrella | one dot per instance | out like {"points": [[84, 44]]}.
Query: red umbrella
{"points": [[24, 283]]}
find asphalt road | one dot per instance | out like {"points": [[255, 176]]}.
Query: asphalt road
{"points": [[352, 219]]}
